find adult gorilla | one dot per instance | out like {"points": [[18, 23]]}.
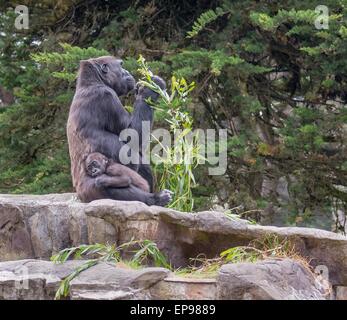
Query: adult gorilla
{"points": [[95, 121]]}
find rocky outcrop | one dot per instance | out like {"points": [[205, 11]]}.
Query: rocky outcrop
{"points": [[38, 226], [107, 282], [34, 226], [273, 279], [32, 279], [183, 288], [39, 280], [270, 280], [340, 293]]}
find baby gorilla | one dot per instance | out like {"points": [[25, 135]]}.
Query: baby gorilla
{"points": [[122, 176]]}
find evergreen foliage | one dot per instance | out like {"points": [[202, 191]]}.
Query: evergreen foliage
{"points": [[262, 70]]}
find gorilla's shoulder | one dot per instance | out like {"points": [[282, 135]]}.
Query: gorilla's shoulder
{"points": [[95, 91]]}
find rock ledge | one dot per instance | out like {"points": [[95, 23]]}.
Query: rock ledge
{"points": [[35, 227]]}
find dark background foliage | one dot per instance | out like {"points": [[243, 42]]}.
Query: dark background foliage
{"points": [[263, 72]]}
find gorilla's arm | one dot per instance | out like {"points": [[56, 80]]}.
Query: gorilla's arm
{"points": [[100, 122], [119, 170], [105, 181], [142, 110], [109, 145]]}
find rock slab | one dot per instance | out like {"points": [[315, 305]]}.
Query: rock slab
{"points": [[39, 226], [264, 280], [270, 280]]}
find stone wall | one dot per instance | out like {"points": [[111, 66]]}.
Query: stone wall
{"points": [[273, 279], [35, 227]]}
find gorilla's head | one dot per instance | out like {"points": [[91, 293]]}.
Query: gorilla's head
{"points": [[96, 164], [109, 70]]}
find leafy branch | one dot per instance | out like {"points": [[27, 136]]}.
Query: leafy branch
{"points": [[177, 162], [204, 19], [68, 61]]}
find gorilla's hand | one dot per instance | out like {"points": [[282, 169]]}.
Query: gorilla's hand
{"points": [[144, 92], [159, 81]]}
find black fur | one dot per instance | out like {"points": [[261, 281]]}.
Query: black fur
{"points": [[95, 121]]}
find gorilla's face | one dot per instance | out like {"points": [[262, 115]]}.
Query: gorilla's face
{"points": [[96, 164], [115, 76]]}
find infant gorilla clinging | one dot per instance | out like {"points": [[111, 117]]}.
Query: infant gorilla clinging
{"points": [[121, 176]]}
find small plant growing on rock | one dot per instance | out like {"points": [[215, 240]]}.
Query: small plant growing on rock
{"points": [[260, 249], [145, 251]]}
